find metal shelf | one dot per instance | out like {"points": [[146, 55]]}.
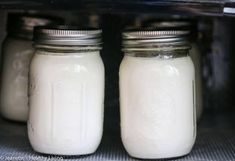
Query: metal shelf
{"points": [[215, 142], [185, 7]]}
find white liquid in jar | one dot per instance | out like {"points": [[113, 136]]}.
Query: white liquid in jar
{"points": [[17, 54], [66, 103], [157, 99]]}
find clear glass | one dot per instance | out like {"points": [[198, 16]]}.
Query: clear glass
{"points": [[196, 58], [17, 53], [157, 104], [66, 99]]}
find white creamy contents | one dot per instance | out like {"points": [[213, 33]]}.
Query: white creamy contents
{"points": [[14, 88], [66, 102], [157, 106], [196, 56]]}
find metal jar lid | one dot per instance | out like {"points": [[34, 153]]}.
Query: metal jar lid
{"points": [[155, 40], [174, 24], [67, 36], [23, 25]]}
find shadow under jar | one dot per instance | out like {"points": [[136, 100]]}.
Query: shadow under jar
{"points": [[66, 91], [157, 94]]}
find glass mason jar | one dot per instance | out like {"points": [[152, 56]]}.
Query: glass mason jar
{"points": [[17, 53], [66, 91], [157, 94], [194, 53]]}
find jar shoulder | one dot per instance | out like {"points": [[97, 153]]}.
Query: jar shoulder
{"points": [[156, 65], [15, 41], [14, 45], [72, 64], [187, 61]]}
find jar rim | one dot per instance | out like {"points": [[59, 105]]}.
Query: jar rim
{"points": [[66, 48], [155, 40]]}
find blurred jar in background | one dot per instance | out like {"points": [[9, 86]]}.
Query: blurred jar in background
{"points": [[17, 53], [94, 21], [194, 52]]}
